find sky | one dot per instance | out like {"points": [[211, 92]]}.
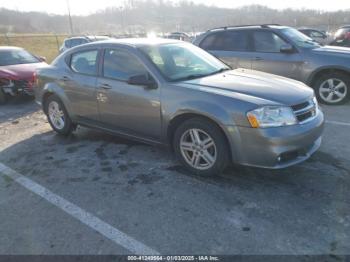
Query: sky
{"points": [[85, 7]]}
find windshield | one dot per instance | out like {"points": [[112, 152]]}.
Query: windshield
{"points": [[183, 61], [16, 56], [299, 38]]}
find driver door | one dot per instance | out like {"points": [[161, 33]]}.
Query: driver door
{"points": [[269, 58], [130, 109]]}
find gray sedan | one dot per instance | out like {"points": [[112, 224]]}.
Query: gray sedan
{"points": [[168, 92]]}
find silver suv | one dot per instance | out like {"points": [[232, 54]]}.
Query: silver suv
{"points": [[169, 92], [80, 40], [283, 51]]}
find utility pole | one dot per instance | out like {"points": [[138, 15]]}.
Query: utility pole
{"points": [[70, 19], [122, 18]]}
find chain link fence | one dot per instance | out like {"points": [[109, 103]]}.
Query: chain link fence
{"points": [[46, 45]]}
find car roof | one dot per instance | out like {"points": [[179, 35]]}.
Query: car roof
{"points": [[264, 26], [137, 42], [88, 37], [76, 37], [7, 48]]}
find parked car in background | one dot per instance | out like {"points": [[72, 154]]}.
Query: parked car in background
{"points": [[173, 93], [284, 51], [317, 35], [342, 37], [80, 40], [179, 36], [17, 68]]}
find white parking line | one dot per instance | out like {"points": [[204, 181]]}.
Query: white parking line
{"points": [[83, 216], [338, 123]]}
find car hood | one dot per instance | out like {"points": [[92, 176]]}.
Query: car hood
{"points": [[22, 71], [333, 50], [270, 88]]}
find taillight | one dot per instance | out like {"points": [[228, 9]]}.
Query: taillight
{"points": [[35, 80]]}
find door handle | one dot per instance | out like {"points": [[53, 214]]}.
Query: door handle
{"points": [[65, 79], [105, 86], [258, 58]]}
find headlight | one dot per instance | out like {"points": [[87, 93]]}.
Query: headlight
{"points": [[271, 116], [4, 82]]}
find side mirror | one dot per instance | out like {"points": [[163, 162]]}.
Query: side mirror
{"points": [[287, 49], [142, 80]]}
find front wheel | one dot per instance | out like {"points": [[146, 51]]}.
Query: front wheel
{"points": [[332, 88], [201, 147], [58, 116]]}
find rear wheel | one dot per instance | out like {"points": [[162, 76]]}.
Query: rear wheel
{"points": [[201, 147], [333, 88], [3, 97], [58, 116]]}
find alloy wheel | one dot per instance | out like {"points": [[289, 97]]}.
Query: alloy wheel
{"points": [[333, 90], [56, 115], [198, 149]]}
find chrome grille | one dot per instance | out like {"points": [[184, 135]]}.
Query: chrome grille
{"points": [[305, 111]]}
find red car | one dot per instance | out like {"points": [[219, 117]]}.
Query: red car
{"points": [[342, 37], [17, 68]]}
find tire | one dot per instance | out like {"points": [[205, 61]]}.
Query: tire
{"points": [[3, 98], [187, 152], [57, 116], [332, 88]]}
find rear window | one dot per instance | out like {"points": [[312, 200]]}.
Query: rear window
{"points": [[16, 56], [75, 42], [85, 62], [227, 41]]}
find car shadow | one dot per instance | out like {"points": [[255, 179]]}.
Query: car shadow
{"points": [[103, 170], [105, 153], [17, 107]]}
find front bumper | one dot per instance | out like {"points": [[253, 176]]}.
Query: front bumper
{"points": [[278, 147], [19, 88]]}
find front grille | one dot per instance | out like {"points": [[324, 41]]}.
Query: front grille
{"points": [[305, 111], [300, 106], [21, 83]]}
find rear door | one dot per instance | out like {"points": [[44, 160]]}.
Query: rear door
{"points": [[79, 83], [233, 47], [269, 58]]}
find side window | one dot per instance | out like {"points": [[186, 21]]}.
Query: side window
{"points": [[268, 42], [76, 42], [306, 32], [85, 62], [316, 34], [120, 64], [234, 40], [209, 42]]}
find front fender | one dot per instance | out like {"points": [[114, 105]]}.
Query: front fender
{"points": [[206, 109], [326, 68]]}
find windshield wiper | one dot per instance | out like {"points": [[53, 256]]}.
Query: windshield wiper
{"points": [[189, 77], [194, 76], [220, 71]]}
